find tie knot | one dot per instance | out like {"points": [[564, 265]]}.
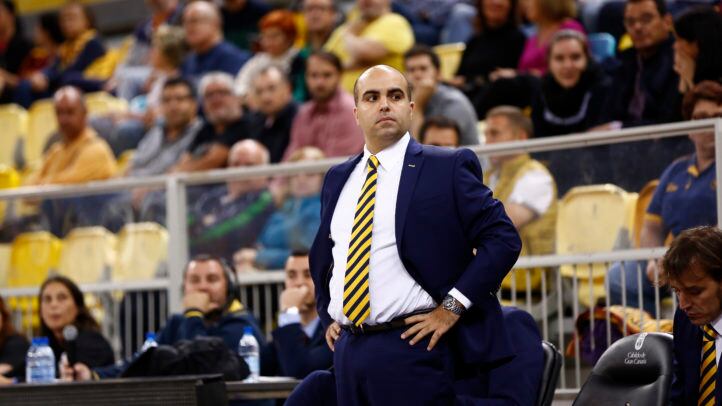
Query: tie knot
{"points": [[373, 162], [709, 332]]}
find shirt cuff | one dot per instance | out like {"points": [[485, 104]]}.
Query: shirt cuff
{"points": [[285, 319], [461, 298]]}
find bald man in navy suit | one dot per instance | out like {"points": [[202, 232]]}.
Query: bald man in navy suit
{"points": [[411, 250]]}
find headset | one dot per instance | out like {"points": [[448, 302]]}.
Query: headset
{"points": [[232, 288]]}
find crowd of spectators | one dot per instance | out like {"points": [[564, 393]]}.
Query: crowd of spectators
{"points": [[241, 84]]}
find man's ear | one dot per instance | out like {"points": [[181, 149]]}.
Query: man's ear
{"points": [[355, 115]]}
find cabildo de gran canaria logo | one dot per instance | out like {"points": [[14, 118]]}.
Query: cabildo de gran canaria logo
{"points": [[637, 357]]}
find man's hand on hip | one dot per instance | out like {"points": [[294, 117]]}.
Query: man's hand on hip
{"points": [[438, 322], [332, 334]]}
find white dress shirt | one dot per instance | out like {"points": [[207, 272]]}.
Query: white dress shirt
{"points": [[393, 292]]}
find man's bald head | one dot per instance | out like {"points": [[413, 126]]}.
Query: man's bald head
{"points": [[70, 111], [203, 25], [248, 153], [365, 74]]}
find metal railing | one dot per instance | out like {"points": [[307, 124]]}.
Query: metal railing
{"points": [[260, 290]]}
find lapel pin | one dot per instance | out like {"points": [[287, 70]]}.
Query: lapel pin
{"points": [[412, 166]]}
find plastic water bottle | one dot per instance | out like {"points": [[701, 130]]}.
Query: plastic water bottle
{"points": [[149, 342], [40, 362], [248, 349]]}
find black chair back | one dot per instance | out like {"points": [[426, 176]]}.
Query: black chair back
{"points": [[550, 376], [635, 370]]}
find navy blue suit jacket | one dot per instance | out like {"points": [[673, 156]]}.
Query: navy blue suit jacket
{"points": [[292, 353], [443, 212], [687, 359]]}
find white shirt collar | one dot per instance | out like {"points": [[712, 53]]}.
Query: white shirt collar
{"points": [[717, 325], [390, 156]]}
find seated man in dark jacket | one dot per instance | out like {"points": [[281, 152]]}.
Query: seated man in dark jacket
{"points": [[210, 309], [298, 346]]}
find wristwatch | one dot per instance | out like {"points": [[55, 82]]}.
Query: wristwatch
{"points": [[453, 305]]}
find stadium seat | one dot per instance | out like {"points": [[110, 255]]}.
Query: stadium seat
{"points": [[636, 370], [5, 250], [100, 103], [550, 375], [9, 178], [34, 255], [595, 218], [640, 209], [602, 46], [88, 254], [14, 124], [41, 124], [142, 252], [124, 160], [450, 56]]}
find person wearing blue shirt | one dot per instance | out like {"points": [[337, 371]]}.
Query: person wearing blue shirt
{"points": [[687, 183], [298, 347], [209, 51]]}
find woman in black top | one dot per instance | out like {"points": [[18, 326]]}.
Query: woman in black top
{"points": [[62, 304], [498, 43], [12, 348], [698, 47]]}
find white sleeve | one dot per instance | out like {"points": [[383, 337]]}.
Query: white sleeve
{"points": [[534, 190]]}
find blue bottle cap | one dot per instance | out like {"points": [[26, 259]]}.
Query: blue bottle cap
{"points": [[248, 330], [150, 336]]}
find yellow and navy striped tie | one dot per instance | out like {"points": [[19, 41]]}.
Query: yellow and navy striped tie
{"points": [[356, 300], [708, 369]]}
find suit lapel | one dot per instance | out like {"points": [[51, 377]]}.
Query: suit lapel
{"points": [[335, 184], [413, 160]]}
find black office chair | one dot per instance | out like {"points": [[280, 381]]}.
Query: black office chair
{"points": [[636, 370], [550, 376]]}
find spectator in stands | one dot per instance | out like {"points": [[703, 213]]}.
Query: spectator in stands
{"points": [[124, 130], [645, 84], [134, 70], [13, 348], [14, 48], [372, 35], [210, 308], [434, 98], [278, 34], [326, 121], [224, 126], [523, 184], [230, 217], [320, 17], [687, 183], [298, 347], [209, 52], [295, 224], [698, 39], [440, 131], [693, 266], [240, 21], [429, 18], [80, 155], [571, 96], [498, 43], [549, 16], [62, 304], [47, 38], [78, 58], [271, 122]]}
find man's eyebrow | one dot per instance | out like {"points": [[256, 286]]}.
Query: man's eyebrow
{"points": [[371, 92]]}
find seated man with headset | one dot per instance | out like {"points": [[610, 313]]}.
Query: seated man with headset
{"points": [[211, 308]]}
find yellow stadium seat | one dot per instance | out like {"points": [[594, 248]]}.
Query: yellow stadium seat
{"points": [[124, 160], [9, 178], [640, 209], [41, 124], [592, 219], [5, 250], [88, 254], [102, 103], [14, 124], [450, 56], [33, 256], [142, 252]]}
